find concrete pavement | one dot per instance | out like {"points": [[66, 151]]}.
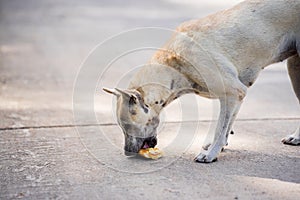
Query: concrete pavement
{"points": [[44, 154]]}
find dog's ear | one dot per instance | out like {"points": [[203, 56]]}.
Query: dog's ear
{"points": [[133, 99], [176, 94], [111, 91], [118, 92], [124, 93]]}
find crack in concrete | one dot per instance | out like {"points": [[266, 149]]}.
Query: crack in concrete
{"points": [[56, 126], [115, 124]]}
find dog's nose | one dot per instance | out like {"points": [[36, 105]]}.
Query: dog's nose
{"points": [[153, 142]]}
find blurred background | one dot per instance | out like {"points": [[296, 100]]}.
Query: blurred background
{"points": [[43, 45]]}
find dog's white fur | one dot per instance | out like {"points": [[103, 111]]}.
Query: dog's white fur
{"points": [[219, 56]]}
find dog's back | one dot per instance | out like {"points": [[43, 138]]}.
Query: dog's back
{"points": [[251, 35]]}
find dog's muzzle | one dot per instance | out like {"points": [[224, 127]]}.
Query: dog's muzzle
{"points": [[149, 142]]}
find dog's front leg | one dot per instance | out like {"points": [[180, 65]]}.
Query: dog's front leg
{"points": [[236, 110], [229, 108], [210, 139]]}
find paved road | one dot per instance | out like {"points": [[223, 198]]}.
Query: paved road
{"points": [[42, 46]]}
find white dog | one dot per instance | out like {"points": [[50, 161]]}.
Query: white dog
{"points": [[219, 56]]}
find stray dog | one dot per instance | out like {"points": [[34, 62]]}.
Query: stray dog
{"points": [[219, 56]]}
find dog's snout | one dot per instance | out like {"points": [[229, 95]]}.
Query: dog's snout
{"points": [[153, 141]]}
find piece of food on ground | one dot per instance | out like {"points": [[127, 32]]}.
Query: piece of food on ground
{"points": [[153, 153]]}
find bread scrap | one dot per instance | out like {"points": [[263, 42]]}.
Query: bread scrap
{"points": [[153, 153]]}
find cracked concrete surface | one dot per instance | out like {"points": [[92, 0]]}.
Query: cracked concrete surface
{"points": [[45, 155]]}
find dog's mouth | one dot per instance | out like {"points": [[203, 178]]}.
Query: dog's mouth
{"points": [[145, 145], [149, 143]]}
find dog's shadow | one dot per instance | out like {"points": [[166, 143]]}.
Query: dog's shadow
{"points": [[255, 164]]}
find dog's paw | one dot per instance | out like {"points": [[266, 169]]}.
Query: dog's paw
{"points": [[205, 147], [291, 140], [204, 158]]}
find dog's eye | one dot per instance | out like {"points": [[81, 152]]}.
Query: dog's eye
{"points": [[132, 100]]}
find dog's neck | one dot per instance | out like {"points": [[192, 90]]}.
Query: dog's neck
{"points": [[155, 95], [159, 85]]}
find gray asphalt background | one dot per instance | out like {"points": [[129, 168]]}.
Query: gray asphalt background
{"points": [[42, 156]]}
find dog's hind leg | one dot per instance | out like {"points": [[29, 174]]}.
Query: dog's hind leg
{"points": [[293, 139], [294, 73]]}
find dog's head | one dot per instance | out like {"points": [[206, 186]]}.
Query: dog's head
{"points": [[138, 121]]}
